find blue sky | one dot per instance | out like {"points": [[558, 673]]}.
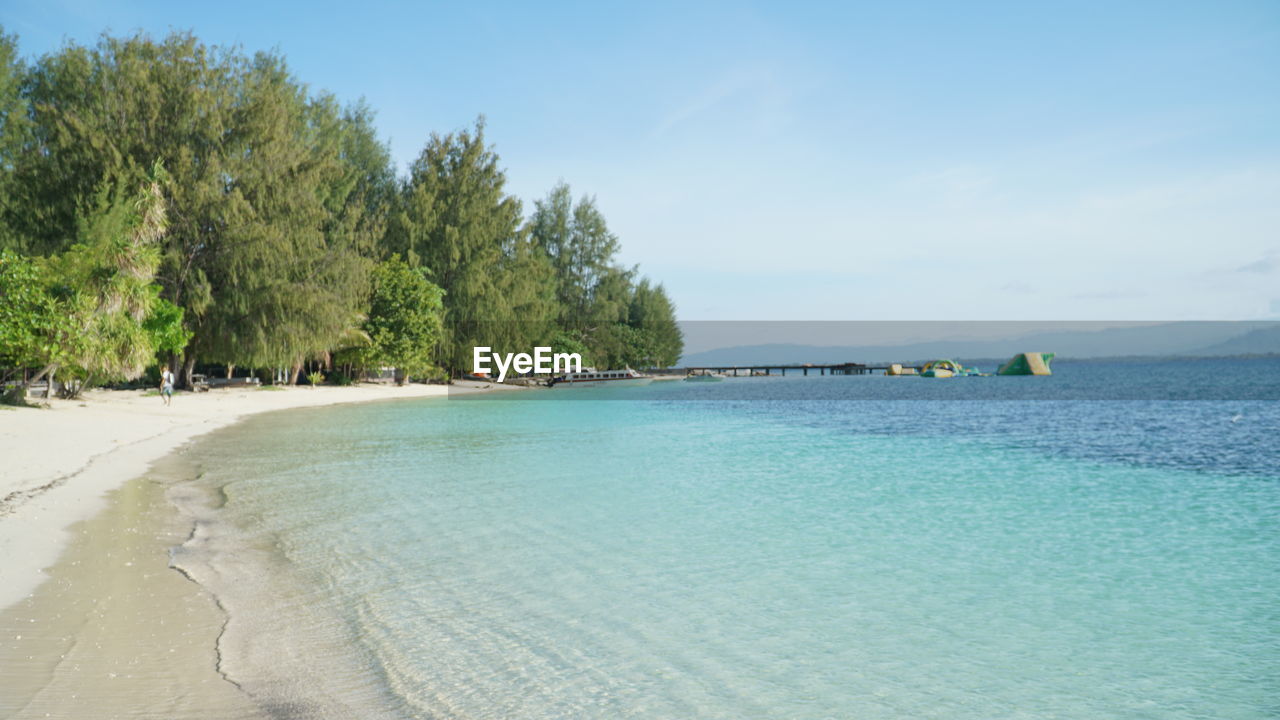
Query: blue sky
{"points": [[897, 161]]}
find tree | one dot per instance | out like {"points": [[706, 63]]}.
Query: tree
{"points": [[91, 311], [13, 128], [619, 345], [528, 286], [275, 207], [653, 313], [456, 219], [164, 326], [282, 289], [404, 323], [568, 342], [36, 326], [593, 291], [110, 275], [269, 220], [361, 193], [581, 248]]}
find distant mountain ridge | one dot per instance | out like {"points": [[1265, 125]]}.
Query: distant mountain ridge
{"points": [[1191, 338], [1255, 342]]}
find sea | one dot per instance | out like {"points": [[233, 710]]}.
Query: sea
{"points": [[1100, 543]]}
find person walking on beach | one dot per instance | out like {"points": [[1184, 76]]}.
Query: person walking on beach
{"points": [[166, 385]]}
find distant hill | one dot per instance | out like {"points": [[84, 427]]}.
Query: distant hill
{"points": [[1182, 338], [1255, 342]]}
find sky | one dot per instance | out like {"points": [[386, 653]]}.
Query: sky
{"points": [[1088, 161]]}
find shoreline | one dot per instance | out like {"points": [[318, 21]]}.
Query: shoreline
{"points": [[113, 632], [63, 461]]}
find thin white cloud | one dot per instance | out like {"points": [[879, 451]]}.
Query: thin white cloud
{"points": [[759, 85], [704, 101]]}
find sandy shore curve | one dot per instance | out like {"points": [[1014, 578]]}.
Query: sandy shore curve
{"points": [[58, 462]]}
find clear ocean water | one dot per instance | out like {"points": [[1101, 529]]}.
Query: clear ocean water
{"points": [[1102, 543]]}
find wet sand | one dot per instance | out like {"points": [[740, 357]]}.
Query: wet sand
{"points": [[115, 631]]}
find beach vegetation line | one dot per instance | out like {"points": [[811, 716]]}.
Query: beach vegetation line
{"points": [[169, 202]]}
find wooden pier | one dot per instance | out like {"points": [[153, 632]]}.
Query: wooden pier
{"points": [[850, 368]]}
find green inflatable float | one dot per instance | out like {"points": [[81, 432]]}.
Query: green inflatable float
{"points": [[1033, 363]]}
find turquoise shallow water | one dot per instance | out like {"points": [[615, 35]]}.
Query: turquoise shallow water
{"points": [[801, 548]]}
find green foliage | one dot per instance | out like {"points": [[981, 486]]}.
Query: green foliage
{"points": [[590, 288], [110, 273], [265, 210], [620, 345], [14, 130], [456, 219], [650, 337], [622, 322], [85, 310], [281, 288], [274, 199], [36, 324], [565, 341], [652, 312], [164, 327], [316, 378], [404, 324]]}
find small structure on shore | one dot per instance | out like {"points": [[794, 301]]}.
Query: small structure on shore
{"points": [[1032, 363]]}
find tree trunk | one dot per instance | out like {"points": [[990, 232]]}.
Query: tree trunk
{"points": [[188, 369], [48, 370], [71, 390], [293, 374], [231, 370]]}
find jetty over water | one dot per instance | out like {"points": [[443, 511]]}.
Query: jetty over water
{"points": [[848, 368]]}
